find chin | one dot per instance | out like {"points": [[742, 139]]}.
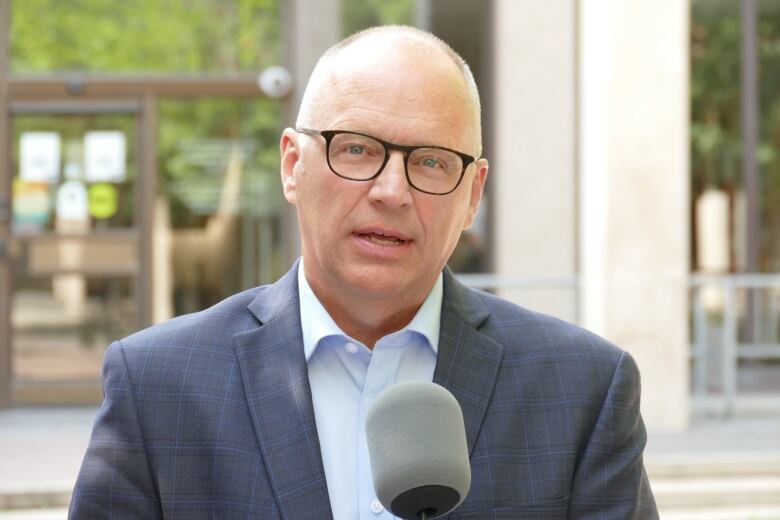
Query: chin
{"points": [[379, 281], [382, 284]]}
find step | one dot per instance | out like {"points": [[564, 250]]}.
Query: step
{"points": [[713, 465], [726, 513], [34, 497], [35, 514], [716, 492]]}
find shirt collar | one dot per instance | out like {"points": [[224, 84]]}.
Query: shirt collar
{"points": [[317, 324]]}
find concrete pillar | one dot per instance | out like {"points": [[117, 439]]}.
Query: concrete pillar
{"points": [[634, 247], [311, 27], [533, 172], [162, 261]]}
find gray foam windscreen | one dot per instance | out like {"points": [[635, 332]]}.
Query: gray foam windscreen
{"points": [[417, 447]]}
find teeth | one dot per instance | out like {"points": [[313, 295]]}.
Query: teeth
{"points": [[383, 240]]}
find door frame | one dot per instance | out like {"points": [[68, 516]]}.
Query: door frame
{"points": [[143, 113], [5, 207], [94, 93]]}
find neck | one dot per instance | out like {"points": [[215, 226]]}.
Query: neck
{"points": [[374, 320], [365, 317], [372, 324]]}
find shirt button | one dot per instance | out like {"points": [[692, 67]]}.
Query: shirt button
{"points": [[376, 507], [351, 348]]}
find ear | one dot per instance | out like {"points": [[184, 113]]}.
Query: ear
{"points": [[477, 188], [291, 156]]}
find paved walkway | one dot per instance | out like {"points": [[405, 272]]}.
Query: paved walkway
{"points": [[40, 454], [718, 436], [41, 451]]}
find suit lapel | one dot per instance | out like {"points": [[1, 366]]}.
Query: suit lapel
{"points": [[468, 361], [276, 383]]}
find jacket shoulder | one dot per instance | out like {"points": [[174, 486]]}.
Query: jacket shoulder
{"points": [[526, 332], [210, 328]]}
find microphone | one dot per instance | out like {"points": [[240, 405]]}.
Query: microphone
{"points": [[417, 448]]}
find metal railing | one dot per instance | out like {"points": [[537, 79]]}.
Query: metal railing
{"points": [[744, 311], [723, 333], [488, 281]]}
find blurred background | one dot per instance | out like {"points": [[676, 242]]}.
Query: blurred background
{"points": [[634, 189]]}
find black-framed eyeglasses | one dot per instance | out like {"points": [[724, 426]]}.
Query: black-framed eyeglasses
{"points": [[360, 157]]}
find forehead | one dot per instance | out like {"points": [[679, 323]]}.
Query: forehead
{"points": [[401, 90]]}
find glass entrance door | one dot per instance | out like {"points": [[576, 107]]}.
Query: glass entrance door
{"points": [[74, 247]]}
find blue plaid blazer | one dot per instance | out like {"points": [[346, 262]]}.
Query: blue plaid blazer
{"points": [[210, 416]]}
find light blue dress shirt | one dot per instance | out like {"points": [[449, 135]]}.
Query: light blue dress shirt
{"points": [[345, 378]]}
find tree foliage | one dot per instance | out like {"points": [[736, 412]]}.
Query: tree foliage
{"points": [[144, 35], [715, 102], [360, 14], [716, 133]]}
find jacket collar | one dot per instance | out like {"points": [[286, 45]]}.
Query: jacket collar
{"points": [[276, 384], [469, 361]]}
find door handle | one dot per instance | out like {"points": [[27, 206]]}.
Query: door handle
{"points": [[5, 210], [13, 252]]}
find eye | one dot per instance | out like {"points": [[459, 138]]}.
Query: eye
{"points": [[430, 162], [355, 149]]}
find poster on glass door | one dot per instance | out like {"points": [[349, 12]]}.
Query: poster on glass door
{"points": [[105, 156], [39, 157]]}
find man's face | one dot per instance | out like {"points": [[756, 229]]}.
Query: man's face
{"points": [[383, 240]]}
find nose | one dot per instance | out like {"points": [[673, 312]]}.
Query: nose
{"points": [[391, 187]]}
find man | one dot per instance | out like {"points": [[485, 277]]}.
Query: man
{"points": [[255, 408]]}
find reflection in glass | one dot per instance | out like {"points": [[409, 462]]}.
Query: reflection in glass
{"points": [[73, 220], [62, 325], [219, 207]]}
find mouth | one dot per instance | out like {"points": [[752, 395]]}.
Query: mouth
{"points": [[383, 238]]}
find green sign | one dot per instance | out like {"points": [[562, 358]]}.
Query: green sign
{"points": [[103, 200]]}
